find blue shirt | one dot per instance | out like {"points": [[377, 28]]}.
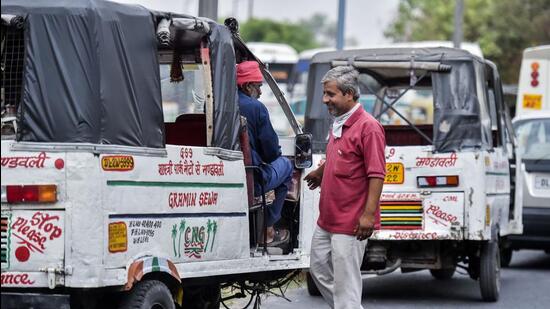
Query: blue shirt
{"points": [[263, 139]]}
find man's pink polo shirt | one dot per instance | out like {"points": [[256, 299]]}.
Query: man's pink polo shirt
{"points": [[351, 160]]}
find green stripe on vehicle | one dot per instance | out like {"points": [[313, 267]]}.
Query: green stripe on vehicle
{"points": [[401, 211], [155, 264]]}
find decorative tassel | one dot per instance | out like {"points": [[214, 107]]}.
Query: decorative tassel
{"points": [[176, 73]]}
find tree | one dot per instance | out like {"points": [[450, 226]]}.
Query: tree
{"points": [[266, 30], [315, 31], [503, 28]]}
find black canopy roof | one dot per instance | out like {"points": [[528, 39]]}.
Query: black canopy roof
{"points": [[396, 54], [91, 74], [458, 96]]}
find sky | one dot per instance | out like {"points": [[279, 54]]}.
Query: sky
{"points": [[366, 20]]}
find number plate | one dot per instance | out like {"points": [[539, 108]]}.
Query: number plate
{"points": [[395, 173], [542, 182]]}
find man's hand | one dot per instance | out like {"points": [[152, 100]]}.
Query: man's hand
{"points": [[314, 178], [365, 226]]}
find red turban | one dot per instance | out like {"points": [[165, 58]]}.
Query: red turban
{"points": [[248, 72]]}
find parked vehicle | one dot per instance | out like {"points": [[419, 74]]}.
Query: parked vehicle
{"points": [[446, 200], [532, 128], [125, 171], [533, 136], [534, 81]]}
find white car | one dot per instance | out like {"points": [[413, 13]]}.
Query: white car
{"points": [[533, 135]]}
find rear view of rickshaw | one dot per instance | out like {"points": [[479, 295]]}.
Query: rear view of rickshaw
{"points": [[125, 168], [447, 199]]}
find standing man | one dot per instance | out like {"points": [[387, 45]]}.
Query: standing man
{"points": [[351, 182], [275, 169]]}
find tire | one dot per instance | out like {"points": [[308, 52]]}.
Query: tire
{"points": [[505, 257], [443, 274], [149, 294], [311, 286], [489, 271]]}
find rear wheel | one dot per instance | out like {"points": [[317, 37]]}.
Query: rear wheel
{"points": [[489, 271], [149, 294], [443, 274], [311, 286]]}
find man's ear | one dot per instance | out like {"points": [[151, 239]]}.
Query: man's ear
{"points": [[349, 95]]}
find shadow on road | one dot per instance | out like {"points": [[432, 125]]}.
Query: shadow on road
{"points": [[539, 261], [421, 286]]}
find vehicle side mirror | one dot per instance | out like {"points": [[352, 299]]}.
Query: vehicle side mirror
{"points": [[302, 151]]}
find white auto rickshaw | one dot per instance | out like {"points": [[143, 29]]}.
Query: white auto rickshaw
{"points": [[447, 199], [126, 179]]}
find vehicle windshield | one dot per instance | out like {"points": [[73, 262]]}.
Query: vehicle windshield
{"points": [[185, 97], [533, 138], [278, 119], [416, 105]]}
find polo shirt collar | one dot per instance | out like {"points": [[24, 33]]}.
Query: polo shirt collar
{"points": [[355, 116]]}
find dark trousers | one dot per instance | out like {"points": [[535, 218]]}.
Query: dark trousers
{"points": [[276, 176]]}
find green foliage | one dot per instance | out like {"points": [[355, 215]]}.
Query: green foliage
{"points": [[266, 30], [503, 28]]}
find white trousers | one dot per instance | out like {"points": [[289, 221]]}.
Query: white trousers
{"points": [[335, 266]]}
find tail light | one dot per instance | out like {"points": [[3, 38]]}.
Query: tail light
{"points": [[437, 181], [14, 194], [534, 74]]}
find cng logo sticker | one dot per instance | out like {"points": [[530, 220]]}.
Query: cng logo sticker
{"points": [[117, 163], [195, 240]]}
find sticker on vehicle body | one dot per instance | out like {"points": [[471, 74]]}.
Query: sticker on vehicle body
{"points": [[117, 163], [532, 101], [401, 215], [118, 237], [395, 173]]}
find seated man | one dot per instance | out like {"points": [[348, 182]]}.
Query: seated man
{"points": [[275, 169]]}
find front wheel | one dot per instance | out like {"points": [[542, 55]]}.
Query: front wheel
{"points": [[149, 294], [489, 271]]}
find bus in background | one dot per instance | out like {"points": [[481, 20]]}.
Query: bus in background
{"points": [[534, 81], [280, 60]]}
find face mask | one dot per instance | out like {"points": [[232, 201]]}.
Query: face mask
{"points": [[254, 92]]}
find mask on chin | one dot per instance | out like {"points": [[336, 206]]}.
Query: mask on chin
{"points": [[253, 92]]}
